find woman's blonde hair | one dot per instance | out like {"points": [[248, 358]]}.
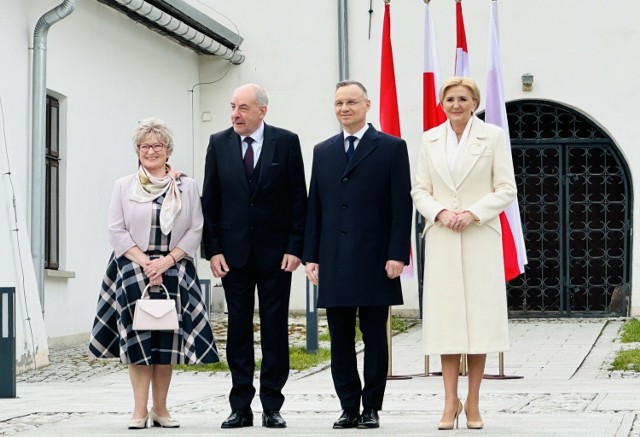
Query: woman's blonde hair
{"points": [[153, 126], [466, 82]]}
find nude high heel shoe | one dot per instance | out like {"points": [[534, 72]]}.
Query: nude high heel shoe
{"points": [[473, 424], [449, 425]]}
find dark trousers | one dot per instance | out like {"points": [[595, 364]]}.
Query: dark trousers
{"points": [[274, 286], [344, 366]]}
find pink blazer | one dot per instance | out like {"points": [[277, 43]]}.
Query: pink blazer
{"points": [[129, 221]]}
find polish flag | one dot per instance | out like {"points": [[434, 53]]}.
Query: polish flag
{"points": [[389, 114], [462, 53], [515, 256], [432, 113]]}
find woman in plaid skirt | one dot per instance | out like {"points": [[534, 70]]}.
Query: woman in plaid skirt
{"points": [[155, 227]]}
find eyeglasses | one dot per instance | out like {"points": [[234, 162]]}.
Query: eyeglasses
{"points": [[348, 103], [144, 148]]}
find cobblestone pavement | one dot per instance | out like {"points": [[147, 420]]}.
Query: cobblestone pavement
{"points": [[73, 364], [586, 389]]}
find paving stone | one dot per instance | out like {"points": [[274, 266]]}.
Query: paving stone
{"points": [[566, 390]]}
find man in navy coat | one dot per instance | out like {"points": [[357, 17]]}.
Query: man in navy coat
{"points": [[357, 241], [254, 204]]}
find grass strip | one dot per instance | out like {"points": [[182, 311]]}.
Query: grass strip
{"points": [[627, 360], [630, 331]]}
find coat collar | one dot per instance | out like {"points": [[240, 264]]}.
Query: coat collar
{"points": [[366, 145], [266, 155], [437, 141]]}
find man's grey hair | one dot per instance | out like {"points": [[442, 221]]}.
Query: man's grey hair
{"points": [[343, 83], [261, 94]]}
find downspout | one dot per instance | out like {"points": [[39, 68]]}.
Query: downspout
{"points": [[343, 40], [38, 131]]}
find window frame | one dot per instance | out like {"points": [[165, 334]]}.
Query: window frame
{"points": [[52, 185]]}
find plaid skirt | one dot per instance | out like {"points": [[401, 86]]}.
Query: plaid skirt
{"points": [[113, 336]]}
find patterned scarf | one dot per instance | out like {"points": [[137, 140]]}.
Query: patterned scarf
{"points": [[147, 188]]}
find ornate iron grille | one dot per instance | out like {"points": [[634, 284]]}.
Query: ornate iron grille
{"points": [[575, 203]]}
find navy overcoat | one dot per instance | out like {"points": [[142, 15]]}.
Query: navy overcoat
{"points": [[359, 217]]}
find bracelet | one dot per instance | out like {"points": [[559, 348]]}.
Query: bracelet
{"points": [[173, 258]]}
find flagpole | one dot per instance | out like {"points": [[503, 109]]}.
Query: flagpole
{"points": [[495, 113], [432, 112], [390, 124], [426, 357]]}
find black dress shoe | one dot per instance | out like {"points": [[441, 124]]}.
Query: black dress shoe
{"points": [[273, 419], [369, 419], [349, 419], [238, 419]]}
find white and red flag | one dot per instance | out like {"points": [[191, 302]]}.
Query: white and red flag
{"points": [[432, 113], [462, 52], [389, 114], [515, 256]]}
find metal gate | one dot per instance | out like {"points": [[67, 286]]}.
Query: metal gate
{"points": [[575, 198]]}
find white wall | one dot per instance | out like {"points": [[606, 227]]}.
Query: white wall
{"points": [[111, 72], [16, 266], [578, 51]]}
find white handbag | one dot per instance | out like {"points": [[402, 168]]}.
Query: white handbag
{"points": [[155, 314]]}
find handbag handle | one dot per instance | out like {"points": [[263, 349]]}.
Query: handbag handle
{"points": [[146, 291]]}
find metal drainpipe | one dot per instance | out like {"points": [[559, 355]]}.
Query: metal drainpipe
{"points": [[343, 40], [38, 140]]}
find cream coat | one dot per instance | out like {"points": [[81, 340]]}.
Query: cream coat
{"points": [[464, 299], [129, 221]]}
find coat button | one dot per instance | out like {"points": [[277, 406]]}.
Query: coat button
{"points": [[343, 233], [345, 180], [344, 206]]}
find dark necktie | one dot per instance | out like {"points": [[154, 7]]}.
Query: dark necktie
{"points": [[351, 148], [248, 156]]}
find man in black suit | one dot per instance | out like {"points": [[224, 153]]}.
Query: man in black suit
{"points": [[357, 241], [254, 203]]}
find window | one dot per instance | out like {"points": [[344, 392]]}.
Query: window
{"points": [[52, 194]]}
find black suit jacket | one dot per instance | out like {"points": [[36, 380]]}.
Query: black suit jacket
{"points": [[359, 216], [271, 220]]}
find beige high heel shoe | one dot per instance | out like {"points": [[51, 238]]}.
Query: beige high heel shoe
{"points": [[164, 422], [139, 423], [449, 425], [473, 424]]}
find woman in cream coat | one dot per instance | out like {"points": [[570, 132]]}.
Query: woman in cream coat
{"points": [[464, 180]]}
